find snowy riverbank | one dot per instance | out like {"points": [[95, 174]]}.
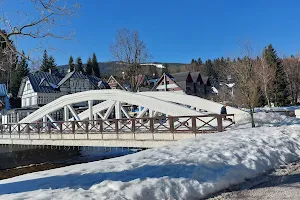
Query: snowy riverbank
{"points": [[189, 169]]}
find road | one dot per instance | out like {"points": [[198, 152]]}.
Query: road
{"points": [[282, 183]]}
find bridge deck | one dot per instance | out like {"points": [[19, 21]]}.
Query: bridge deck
{"points": [[135, 132]]}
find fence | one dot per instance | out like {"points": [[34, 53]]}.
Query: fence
{"points": [[171, 124]]}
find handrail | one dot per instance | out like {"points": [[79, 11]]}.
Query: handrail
{"points": [[194, 124]]}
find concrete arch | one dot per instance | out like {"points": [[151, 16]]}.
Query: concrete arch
{"points": [[111, 95], [196, 102]]}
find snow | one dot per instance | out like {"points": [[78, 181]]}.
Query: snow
{"points": [[187, 169], [214, 90], [230, 85], [161, 66]]}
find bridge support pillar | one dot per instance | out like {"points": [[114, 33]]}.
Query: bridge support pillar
{"points": [[151, 113], [118, 112], [45, 121], [90, 109], [66, 114]]}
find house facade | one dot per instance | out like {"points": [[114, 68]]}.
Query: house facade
{"points": [[167, 83], [184, 82], [41, 88]]}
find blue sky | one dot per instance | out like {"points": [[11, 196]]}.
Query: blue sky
{"points": [[177, 30]]}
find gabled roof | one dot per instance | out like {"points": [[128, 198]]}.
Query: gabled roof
{"points": [[36, 78], [3, 91], [167, 75], [72, 74], [98, 83], [196, 76], [206, 80], [182, 76], [113, 80]]}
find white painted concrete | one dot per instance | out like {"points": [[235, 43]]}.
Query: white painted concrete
{"points": [[112, 95], [142, 140], [196, 102]]}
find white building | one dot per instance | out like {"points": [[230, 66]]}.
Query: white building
{"points": [[40, 88]]}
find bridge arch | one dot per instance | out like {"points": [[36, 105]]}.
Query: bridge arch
{"points": [[196, 102], [112, 100]]}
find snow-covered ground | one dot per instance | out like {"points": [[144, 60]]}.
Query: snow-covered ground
{"points": [[188, 169], [268, 109]]}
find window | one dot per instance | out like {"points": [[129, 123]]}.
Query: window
{"points": [[28, 86]]}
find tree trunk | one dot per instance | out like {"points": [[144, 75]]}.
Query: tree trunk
{"points": [[266, 94], [252, 117]]}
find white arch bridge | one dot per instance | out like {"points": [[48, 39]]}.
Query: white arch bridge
{"points": [[161, 117]]}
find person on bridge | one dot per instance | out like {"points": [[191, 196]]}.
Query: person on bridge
{"points": [[224, 110]]}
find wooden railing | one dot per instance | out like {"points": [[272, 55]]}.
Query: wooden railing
{"points": [[172, 124]]}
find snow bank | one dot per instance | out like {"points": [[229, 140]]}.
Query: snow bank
{"points": [[188, 169], [270, 119]]}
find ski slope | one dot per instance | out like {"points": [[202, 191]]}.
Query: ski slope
{"points": [[189, 169]]}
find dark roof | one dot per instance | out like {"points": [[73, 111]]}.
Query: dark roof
{"points": [[36, 78], [206, 80], [98, 83], [72, 74], [195, 76], [182, 76]]}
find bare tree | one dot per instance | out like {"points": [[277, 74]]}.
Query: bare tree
{"points": [[244, 72], [292, 71], [38, 22], [266, 77], [131, 50]]}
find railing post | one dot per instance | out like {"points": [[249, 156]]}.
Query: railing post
{"points": [[151, 122], [194, 125], [38, 129], [220, 123], [87, 129], [60, 128], [73, 128], [133, 127], [117, 127], [28, 130], [101, 128], [9, 129], [171, 122], [49, 129], [86, 123], [19, 130]]}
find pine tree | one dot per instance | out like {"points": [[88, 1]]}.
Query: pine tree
{"points": [[52, 64], [45, 62], [199, 62], [165, 69], [89, 67], [210, 70], [79, 67], [95, 66], [71, 64], [280, 84], [21, 70], [193, 61]]}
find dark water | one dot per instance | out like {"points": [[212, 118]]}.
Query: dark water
{"points": [[15, 161]]}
